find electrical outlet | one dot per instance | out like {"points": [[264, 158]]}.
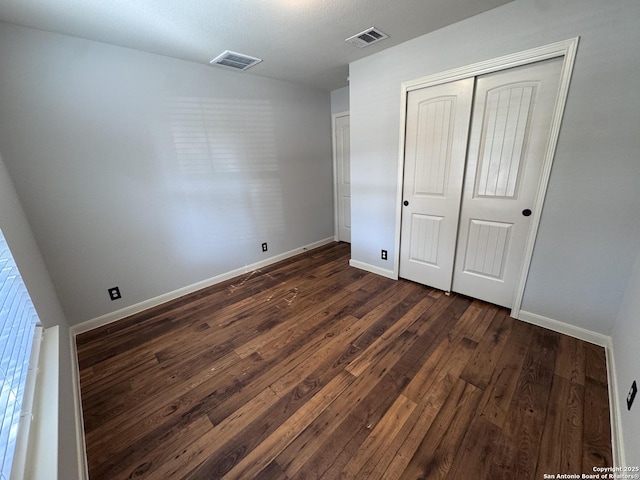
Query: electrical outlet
{"points": [[264, 247], [632, 395], [114, 293], [383, 255]]}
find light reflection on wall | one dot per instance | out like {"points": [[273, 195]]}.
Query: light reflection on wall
{"points": [[226, 173]]}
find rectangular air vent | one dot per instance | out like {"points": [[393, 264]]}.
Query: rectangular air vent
{"points": [[237, 61], [368, 37]]}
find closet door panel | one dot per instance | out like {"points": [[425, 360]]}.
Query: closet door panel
{"points": [[435, 147], [510, 129]]}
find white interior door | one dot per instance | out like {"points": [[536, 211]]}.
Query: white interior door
{"points": [[435, 146], [343, 176], [510, 130]]}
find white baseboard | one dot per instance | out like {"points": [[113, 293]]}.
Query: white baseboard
{"points": [[617, 444], [566, 328], [373, 269], [153, 302], [83, 467]]}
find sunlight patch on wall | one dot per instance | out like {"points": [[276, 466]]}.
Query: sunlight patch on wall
{"points": [[225, 173], [212, 135]]}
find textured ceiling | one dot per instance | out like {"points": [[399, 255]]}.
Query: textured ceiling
{"points": [[300, 41]]}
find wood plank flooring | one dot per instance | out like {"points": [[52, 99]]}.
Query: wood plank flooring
{"points": [[312, 369]]}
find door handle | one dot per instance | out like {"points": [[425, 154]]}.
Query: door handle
{"points": [[406, 203], [526, 212]]}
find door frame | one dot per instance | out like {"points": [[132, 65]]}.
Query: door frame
{"points": [[336, 205], [566, 49]]}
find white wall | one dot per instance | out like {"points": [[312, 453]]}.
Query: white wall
{"points": [[60, 405], [626, 337], [591, 220], [152, 173], [340, 100], [16, 230]]}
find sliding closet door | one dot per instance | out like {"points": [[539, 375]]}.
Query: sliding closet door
{"points": [[435, 147], [472, 239], [510, 129]]}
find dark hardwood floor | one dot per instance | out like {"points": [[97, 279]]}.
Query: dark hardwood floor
{"points": [[312, 369]]}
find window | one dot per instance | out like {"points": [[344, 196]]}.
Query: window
{"points": [[18, 325]]}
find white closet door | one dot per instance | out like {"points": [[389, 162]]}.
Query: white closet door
{"points": [[343, 176], [509, 135], [435, 146]]}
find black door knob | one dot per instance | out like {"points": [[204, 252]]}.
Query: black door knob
{"points": [[526, 212], [406, 203]]}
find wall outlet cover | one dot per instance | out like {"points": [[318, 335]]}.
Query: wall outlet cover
{"points": [[632, 395], [114, 293]]}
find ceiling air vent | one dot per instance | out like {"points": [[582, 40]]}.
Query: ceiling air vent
{"points": [[237, 61], [368, 37]]}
